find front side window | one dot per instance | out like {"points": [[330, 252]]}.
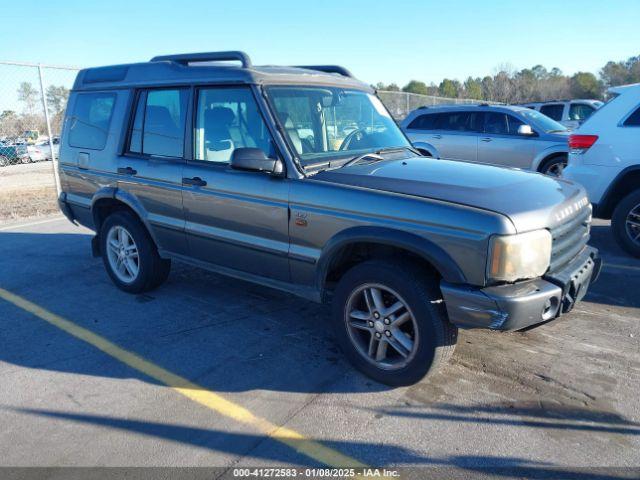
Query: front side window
{"points": [[513, 124], [553, 111], [580, 111], [89, 125], [159, 123], [226, 119], [324, 122]]}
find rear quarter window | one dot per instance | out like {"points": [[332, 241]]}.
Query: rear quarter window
{"points": [[633, 120], [423, 122], [89, 124]]}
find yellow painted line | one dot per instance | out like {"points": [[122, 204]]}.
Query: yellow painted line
{"points": [[192, 391], [621, 267]]}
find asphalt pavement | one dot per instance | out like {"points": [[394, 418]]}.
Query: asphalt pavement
{"points": [[212, 371]]}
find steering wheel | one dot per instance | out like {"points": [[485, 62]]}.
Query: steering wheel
{"points": [[358, 134]]}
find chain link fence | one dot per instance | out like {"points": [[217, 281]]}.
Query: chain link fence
{"points": [[33, 99], [401, 103]]}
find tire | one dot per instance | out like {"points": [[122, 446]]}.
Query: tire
{"points": [[4, 161], [151, 270], [627, 234], [25, 160], [554, 166], [432, 337]]}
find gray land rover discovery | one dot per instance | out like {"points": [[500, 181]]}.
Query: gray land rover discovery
{"points": [[297, 178]]}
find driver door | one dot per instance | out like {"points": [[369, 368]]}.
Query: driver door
{"points": [[234, 219]]}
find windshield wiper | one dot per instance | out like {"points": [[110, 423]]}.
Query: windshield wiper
{"points": [[357, 158], [396, 149]]}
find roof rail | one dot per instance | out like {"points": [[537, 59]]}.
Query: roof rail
{"points": [[186, 58], [328, 69]]}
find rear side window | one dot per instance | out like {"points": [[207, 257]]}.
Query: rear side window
{"points": [[553, 111], [496, 123], [580, 111], [633, 120], [90, 121], [455, 121], [159, 123]]}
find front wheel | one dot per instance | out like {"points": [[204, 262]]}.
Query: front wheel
{"points": [[625, 223], [129, 254], [390, 321]]}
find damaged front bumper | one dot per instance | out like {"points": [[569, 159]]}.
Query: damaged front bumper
{"points": [[523, 304]]}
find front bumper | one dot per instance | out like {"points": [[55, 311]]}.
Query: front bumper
{"points": [[520, 305]]}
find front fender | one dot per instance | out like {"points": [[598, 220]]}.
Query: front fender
{"points": [[415, 244]]}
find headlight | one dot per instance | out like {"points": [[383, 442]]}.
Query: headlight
{"points": [[517, 257]]}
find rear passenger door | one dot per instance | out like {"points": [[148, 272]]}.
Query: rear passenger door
{"points": [[234, 219], [500, 144], [150, 171], [459, 135]]}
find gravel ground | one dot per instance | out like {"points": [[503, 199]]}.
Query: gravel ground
{"points": [[27, 191]]}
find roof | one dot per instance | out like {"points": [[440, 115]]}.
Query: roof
{"points": [[622, 88], [207, 68], [468, 106]]}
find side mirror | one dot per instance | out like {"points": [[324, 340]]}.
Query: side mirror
{"points": [[254, 160], [525, 130]]}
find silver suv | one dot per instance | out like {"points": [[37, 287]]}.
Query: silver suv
{"points": [[297, 178], [498, 135], [570, 113]]}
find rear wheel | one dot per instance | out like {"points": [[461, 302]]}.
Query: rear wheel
{"points": [[390, 321], [554, 166], [4, 161], [625, 223], [129, 254]]}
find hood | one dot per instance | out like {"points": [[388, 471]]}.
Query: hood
{"points": [[530, 200]]}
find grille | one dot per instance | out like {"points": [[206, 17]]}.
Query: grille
{"points": [[569, 238]]}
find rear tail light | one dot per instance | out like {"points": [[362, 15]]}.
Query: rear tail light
{"points": [[581, 143]]}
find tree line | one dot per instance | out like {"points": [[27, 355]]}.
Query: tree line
{"points": [[529, 84], [13, 124]]}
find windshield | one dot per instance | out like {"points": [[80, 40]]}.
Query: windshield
{"points": [[542, 121], [327, 122]]}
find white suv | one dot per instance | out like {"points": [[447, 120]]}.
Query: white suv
{"points": [[604, 156], [570, 113]]}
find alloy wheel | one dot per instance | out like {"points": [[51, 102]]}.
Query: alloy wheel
{"points": [[632, 224], [381, 326], [122, 253], [555, 169]]}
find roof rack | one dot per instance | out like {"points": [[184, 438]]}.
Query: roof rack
{"points": [[186, 58], [328, 69]]}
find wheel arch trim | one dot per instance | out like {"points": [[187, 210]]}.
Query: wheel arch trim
{"points": [[410, 242], [605, 207]]}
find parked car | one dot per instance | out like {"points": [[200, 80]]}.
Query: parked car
{"points": [[11, 153], [570, 113], [46, 149], [500, 135], [36, 154], [605, 158], [204, 164]]}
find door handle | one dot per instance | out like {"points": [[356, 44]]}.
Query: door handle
{"points": [[437, 137], [127, 171], [485, 139], [195, 181]]}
